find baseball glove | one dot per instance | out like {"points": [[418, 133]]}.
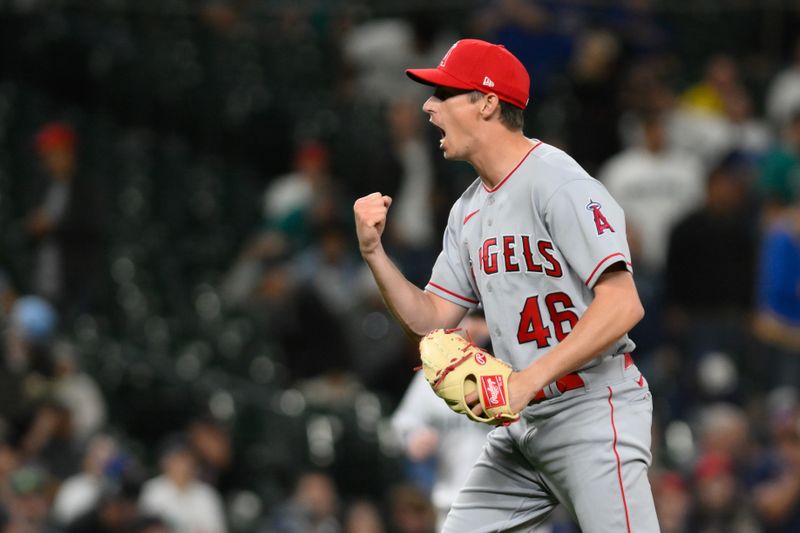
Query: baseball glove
{"points": [[455, 367]]}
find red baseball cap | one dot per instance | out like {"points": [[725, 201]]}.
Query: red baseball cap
{"points": [[482, 66], [54, 136]]}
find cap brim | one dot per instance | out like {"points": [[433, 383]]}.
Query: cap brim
{"points": [[435, 76]]}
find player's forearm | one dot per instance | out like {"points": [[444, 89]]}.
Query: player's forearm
{"points": [[614, 311], [412, 308]]}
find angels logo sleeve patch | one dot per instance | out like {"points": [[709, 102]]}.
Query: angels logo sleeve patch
{"points": [[588, 227], [600, 221]]}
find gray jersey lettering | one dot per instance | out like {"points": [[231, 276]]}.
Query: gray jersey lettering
{"points": [[530, 251]]}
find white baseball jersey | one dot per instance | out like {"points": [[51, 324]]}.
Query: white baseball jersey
{"points": [[530, 251]]}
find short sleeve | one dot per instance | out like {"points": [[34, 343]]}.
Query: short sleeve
{"points": [[451, 276], [588, 227]]}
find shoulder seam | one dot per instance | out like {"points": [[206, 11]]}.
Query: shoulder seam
{"points": [[584, 178]]}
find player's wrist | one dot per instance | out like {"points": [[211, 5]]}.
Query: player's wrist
{"points": [[371, 252], [533, 380]]}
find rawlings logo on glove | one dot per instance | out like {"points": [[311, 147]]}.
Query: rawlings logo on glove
{"points": [[455, 368], [492, 391]]}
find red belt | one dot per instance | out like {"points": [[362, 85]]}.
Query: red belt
{"points": [[572, 381]]}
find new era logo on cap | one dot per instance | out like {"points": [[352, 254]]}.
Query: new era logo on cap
{"points": [[443, 62], [482, 66]]}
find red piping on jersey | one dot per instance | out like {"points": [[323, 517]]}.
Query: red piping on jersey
{"points": [[470, 216], [606, 258], [514, 170], [619, 463], [451, 293]]}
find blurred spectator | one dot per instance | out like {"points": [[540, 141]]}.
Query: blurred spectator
{"points": [[702, 265], [412, 210], [26, 366], [363, 517], [332, 280], [32, 326], [331, 267], [211, 442], [641, 25], [29, 500], [294, 202], [287, 308], [9, 462], [644, 91], [186, 503], [114, 512], [780, 173], [78, 392], [411, 511], [724, 431], [38, 424], [225, 18], [381, 357], [713, 117], [66, 225], [293, 205], [720, 78], [777, 324], [312, 508], [672, 501], [81, 492], [48, 439], [381, 49], [656, 186], [7, 295], [720, 506], [783, 95], [592, 129], [438, 440], [539, 34], [776, 493], [749, 135]]}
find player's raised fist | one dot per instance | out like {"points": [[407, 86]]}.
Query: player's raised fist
{"points": [[370, 214]]}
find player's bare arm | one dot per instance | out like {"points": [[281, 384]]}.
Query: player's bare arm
{"points": [[417, 311], [615, 309]]}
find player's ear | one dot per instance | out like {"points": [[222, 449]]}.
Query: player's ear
{"points": [[490, 105]]}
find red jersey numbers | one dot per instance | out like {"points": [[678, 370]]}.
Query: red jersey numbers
{"points": [[518, 254], [564, 315], [533, 329], [600, 221]]}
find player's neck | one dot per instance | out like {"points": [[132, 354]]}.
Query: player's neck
{"points": [[499, 155]]}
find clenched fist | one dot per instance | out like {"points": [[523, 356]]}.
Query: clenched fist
{"points": [[370, 214]]}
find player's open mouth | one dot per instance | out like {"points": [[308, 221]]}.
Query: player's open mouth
{"points": [[443, 135]]}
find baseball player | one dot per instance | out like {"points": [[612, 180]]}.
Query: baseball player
{"points": [[541, 246]]}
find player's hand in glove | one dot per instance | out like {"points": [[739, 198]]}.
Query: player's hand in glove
{"points": [[456, 369]]}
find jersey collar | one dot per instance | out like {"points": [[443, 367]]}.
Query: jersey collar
{"points": [[493, 189]]}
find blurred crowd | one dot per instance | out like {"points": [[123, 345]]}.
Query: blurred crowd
{"points": [[191, 343]]}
